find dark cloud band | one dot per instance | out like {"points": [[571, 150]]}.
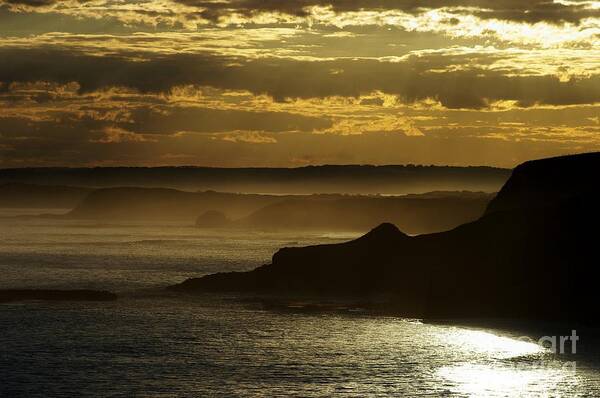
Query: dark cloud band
{"points": [[530, 11], [415, 79], [515, 10]]}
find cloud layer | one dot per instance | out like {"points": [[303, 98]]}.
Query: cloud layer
{"points": [[249, 82]]}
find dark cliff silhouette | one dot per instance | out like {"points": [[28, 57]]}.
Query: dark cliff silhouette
{"points": [[533, 254]]}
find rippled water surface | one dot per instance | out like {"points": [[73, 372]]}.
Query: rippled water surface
{"points": [[149, 343]]}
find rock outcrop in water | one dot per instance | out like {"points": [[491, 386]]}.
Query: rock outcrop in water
{"points": [[533, 254], [8, 295]]}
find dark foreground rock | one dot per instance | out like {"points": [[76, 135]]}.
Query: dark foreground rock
{"points": [[8, 295], [533, 254]]}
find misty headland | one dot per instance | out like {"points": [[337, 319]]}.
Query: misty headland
{"points": [[531, 255], [417, 199]]}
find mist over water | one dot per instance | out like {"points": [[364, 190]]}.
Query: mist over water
{"points": [[127, 256], [151, 343]]}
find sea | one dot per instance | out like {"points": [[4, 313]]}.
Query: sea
{"points": [[153, 343]]}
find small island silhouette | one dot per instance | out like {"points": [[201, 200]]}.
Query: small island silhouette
{"points": [[533, 254]]}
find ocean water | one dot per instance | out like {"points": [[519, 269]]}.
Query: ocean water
{"points": [[150, 343]]}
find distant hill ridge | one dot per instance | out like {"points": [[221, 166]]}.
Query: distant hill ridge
{"points": [[359, 179], [415, 213]]}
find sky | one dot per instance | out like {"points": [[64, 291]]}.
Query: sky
{"points": [[286, 83]]}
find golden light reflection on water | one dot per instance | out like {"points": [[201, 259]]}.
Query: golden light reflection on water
{"points": [[485, 381], [504, 366], [491, 344]]}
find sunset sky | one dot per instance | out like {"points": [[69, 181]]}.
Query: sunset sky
{"points": [[290, 83]]}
